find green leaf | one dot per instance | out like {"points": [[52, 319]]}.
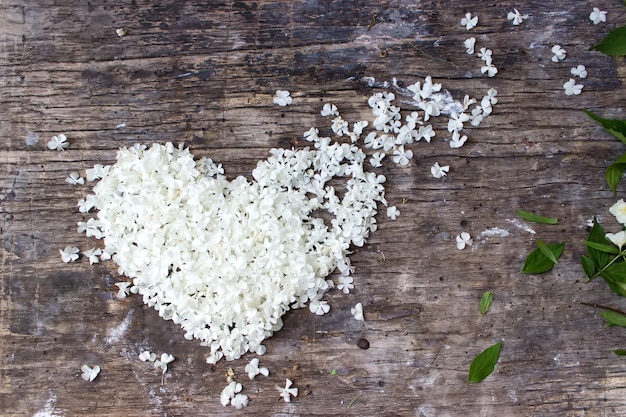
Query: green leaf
{"points": [[620, 352], [597, 235], [614, 43], [485, 302], [616, 127], [602, 247], [613, 318], [613, 176], [483, 364], [546, 251], [537, 262], [532, 217], [616, 272], [589, 266]]}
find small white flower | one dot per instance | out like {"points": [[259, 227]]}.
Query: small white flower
{"points": [[597, 16], [75, 179], [400, 156], [468, 101], [287, 392], [69, 254], [339, 126], [457, 140], [92, 254], [147, 356], [229, 392], [329, 110], [357, 312], [89, 374], [491, 95], [345, 284], [469, 45], [486, 55], [239, 401], [425, 132], [618, 239], [571, 88], [559, 53], [376, 159], [282, 98], [439, 171], [469, 22], [579, 71], [516, 17], [98, 171], [456, 121], [253, 369], [393, 212], [619, 211], [318, 307], [58, 142], [490, 70], [124, 289], [163, 361], [464, 239]]}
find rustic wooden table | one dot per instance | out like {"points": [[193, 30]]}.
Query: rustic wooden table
{"points": [[204, 73]]}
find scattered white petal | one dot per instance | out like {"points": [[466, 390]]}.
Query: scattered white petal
{"points": [[571, 88], [75, 179], [282, 98], [469, 45], [439, 171], [318, 307], [147, 356], [393, 212], [402, 157], [357, 312], [239, 401], [345, 284], [69, 254], [559, 53], [93, 254], [457, 140], [597, 16], [464, 239], [58, 142], [516, 17], [89, 373], [124, 289], [253, 369], [329, 110], [121, 32], [287, 392], [579, 71], [469, 22]]}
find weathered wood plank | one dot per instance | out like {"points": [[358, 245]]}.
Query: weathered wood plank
{"points": [[205, 73]]}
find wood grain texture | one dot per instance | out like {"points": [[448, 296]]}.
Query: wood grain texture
{"points": [[204, 73]]}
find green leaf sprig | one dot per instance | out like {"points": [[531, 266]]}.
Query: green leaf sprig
{"points": [[484, 363], [485, 302], [543, 258], [605, 259], [617, 128], [536, 218]]}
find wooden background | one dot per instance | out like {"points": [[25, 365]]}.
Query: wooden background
{"points": [[204, 72]]}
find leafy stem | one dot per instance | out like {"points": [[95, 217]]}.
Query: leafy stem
{"points": [[622, 254]]}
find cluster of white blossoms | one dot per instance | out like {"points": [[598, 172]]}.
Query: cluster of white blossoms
{"points": [[226, 259]]}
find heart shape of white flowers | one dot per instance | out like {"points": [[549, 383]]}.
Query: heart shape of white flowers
{"points": [[226, 259]]}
